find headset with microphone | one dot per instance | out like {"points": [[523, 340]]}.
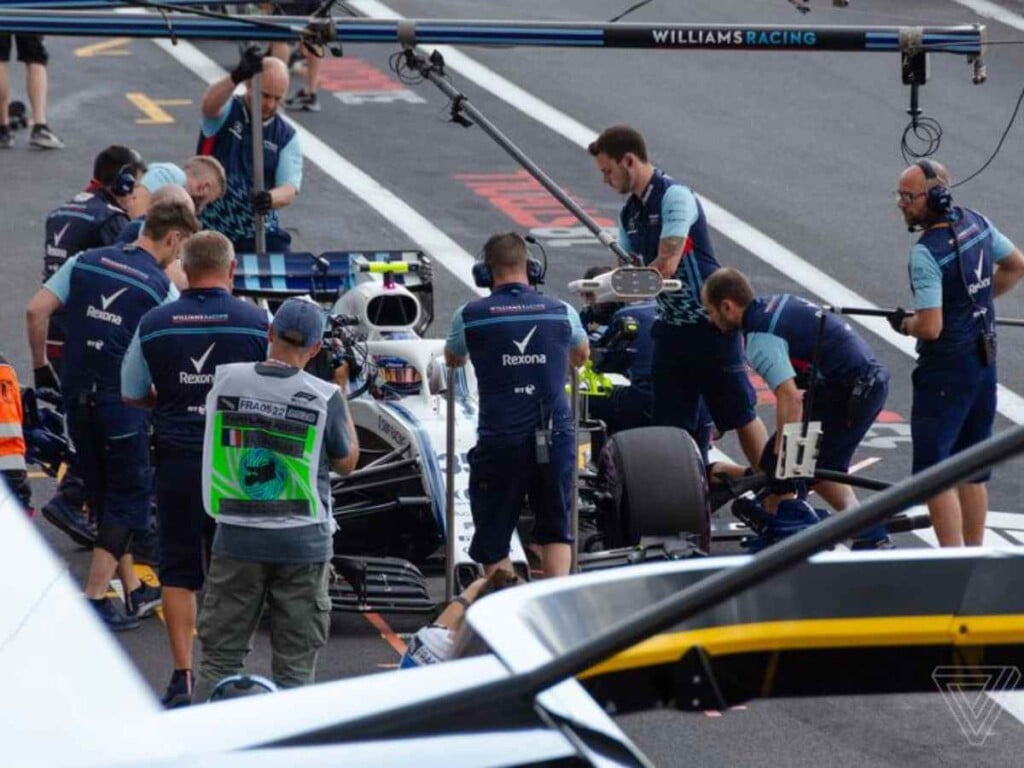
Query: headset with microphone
{"points": [[124, 182], [938, 198], [483, 278]]}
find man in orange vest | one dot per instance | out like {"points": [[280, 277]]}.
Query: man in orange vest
{"points": [[12, 441]]}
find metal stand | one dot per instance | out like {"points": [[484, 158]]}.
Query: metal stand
{"points": [[574, 499], [1013, 322], [256, 120], [449, 480], [432, 69]]}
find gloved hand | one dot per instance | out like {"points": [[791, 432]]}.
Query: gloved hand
{"points": [[896, 318], [250, 64], [45, 377], [262, 202]]}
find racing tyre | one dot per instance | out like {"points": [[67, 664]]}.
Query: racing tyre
{"points": [[657, 486]]}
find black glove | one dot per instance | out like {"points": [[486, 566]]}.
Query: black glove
{"points": [[46, 378], [250, 64], [262, 202], [896, 318]]}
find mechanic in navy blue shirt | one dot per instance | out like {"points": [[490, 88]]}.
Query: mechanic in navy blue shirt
{"points": [[662, 225], [521, 344], [91, 219], [780, 333], [959, 265], [169, 367], [226, 134], [106, 292]]}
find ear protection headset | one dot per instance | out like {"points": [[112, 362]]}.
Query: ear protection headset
{"points": [[124, 183], [483, 278], [939, 199]]}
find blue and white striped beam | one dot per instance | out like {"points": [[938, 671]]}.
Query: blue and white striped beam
{"points": [[964, 39]]}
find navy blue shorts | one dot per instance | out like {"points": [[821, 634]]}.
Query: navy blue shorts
{"points": [[685, 377], [954, 408], [186, 531], [112, 458], [502, 477]]}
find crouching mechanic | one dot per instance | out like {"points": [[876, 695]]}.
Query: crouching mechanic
{"points": [[273, 433], [521, 344], [780, 333], [106, 291], [435, 642], [169, 367]]}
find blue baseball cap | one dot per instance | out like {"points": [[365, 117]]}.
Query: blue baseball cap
{"points": [[300, 322]]}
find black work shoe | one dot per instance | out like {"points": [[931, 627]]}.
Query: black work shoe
{"points": [[143, 601], [885, 542], [112, 616], [43, 138], [302, 101], [179, 690], [71, 519], [6, 137]]}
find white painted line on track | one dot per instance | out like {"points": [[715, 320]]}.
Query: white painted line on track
{"points": [[989, 10], [748, 237], [441, 248]]}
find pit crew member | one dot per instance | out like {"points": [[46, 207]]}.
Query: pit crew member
{"points": [[960, 263], [273, 432], [521, 344], [226, 135], [780, 334], [106, 292], [662, 225], [169, 367]]}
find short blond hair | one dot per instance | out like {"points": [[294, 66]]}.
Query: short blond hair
{"points": [[207, 253], [205, 165]]}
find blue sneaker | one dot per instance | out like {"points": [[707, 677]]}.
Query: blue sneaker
{"points": [[143, 601], [70, 518], [112, 616]]}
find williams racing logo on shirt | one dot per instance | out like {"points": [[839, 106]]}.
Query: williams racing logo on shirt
{"points": [[523, 358]]}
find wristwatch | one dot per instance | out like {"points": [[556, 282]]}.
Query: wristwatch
{"points": [[461, 601]]}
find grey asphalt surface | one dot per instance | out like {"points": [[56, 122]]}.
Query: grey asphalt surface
{"points": [[804, 147]]}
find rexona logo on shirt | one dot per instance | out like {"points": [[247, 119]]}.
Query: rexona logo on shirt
{"points": [[522, 358], [188, 377], [105, 301], [982, 283]]}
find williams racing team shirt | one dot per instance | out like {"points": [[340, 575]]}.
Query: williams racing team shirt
{"points": [[780, 333], [228, 137], [518, 341], [951, 267], [105, 292], [177, 348]]}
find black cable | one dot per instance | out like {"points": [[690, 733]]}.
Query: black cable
{"points": [[634, 7], [162, 7], [924, 130], [999, 146]]}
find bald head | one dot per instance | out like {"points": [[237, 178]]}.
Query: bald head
{"points": [[912, 192], [916, 175], [275, 85], [172, 193]]}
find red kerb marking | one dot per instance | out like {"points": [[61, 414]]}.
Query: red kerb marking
{"points": [[348, 74], [521, 197]]}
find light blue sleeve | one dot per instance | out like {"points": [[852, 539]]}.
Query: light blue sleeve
{"points": [[1001, 244], [173, 294], [624, 240], [678, 211], [768, 355], [456, 341], [289, 164], [135, 376], [162, 174], [925, 278], [575, 326], [59, 283], [211, 125]]}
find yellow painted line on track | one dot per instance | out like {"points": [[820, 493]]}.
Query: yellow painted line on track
{"points": [[113, 47], [153, 109]]}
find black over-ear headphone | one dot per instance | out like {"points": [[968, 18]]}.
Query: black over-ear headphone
{"points": [[483, 278], [124, 182], [938, 198]]}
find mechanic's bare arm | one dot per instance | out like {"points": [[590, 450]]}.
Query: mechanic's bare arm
{"points": [[37, 321], [924, 324], [149, 401], [789, 408], [452, 360], [1007, 273], [348, 462], [284, 195], [670, 251], [216, 96], [579, 355]]}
